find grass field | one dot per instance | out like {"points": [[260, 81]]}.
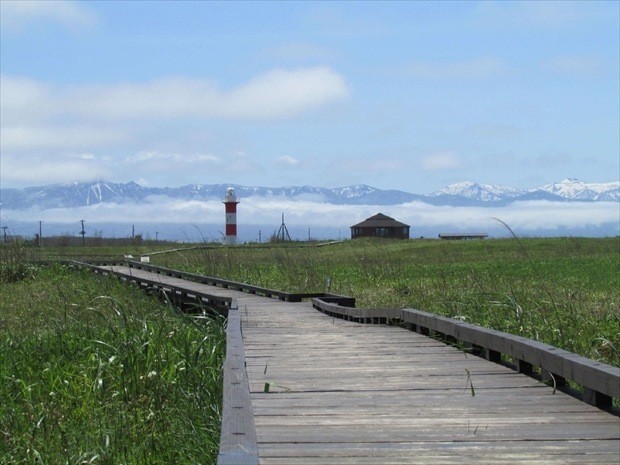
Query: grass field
{"points": [[95, 371], [563, 291]]}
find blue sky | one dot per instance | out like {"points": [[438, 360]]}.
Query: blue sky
{"points": [[404, 95]]}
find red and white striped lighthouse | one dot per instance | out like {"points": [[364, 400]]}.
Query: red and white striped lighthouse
{"points": [[230, 202]]}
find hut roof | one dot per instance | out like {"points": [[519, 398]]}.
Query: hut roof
{"points": [[380, 221]]}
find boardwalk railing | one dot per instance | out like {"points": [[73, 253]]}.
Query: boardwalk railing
{"points": [[226, 284], [600, 382], [179, 296]]}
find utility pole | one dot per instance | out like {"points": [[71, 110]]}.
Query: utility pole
{"points": [[83, 233], [40, 234]]}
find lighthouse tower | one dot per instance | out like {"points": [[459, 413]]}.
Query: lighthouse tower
{"points": [[230, 202]]}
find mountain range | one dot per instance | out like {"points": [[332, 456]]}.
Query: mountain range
{"points": [[80, 194]]}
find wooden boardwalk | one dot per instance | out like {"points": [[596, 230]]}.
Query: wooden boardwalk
{"points": [[345, 393]]}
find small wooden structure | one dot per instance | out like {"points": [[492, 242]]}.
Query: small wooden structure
{"points": [[380, 225], [283, 234], [463, 236]]}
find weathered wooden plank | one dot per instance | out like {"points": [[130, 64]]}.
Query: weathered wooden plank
{"points": [[427, 432], [377, 372], [454, 449], [418, 404], [238, 443]]}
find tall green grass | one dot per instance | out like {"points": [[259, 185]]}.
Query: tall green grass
{"points": [[562, 291], [14, 265], [95, 371]]}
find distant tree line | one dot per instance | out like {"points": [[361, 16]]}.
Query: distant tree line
{"points": [[72, 241]]}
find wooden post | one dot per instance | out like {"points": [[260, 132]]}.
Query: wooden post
{"points": [[598, 399], [525, 367], [494, 356]]}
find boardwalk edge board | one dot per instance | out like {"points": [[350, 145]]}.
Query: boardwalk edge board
{"points": [[601, 382], [177, 295], [238, 444], [233, 285]]}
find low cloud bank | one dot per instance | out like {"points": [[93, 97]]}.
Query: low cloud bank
{"points": [[327, 220]]}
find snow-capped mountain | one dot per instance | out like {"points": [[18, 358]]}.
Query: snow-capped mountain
{"points": [[575, 189], [568, 189], [460, 194], [86, 194], [482, 192]]}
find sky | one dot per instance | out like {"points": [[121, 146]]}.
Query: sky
{"points": [[397, 95]]}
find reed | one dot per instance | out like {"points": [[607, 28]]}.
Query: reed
{"points": [[562, 291], [95, 371]]}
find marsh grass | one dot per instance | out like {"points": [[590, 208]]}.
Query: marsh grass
{"points": [[562, 291], [95, 371], [13, 263]]}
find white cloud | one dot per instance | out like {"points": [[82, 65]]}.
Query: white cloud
{"points": [[332, 19], [560, 161], [575, 65], [525, 218], [540, 15], [520, 216], [287, 160], [171, 168], [284, 93], [18, 138], [35, 170], [441, 161], [537, 215], [550, 14], [177, 168], [17, 14], [93, 116], [346, 169], [38, 118], [165, 98], [474, 69], [24, 100], [273, 95], [176, 158]]}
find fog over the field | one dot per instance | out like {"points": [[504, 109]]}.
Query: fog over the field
{"points": [[185, 217]]}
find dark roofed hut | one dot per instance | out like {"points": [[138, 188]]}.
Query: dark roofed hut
{"points": [[380, 225]]}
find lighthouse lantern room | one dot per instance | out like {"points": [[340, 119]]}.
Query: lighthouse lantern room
{"points": [[230, 203]]}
